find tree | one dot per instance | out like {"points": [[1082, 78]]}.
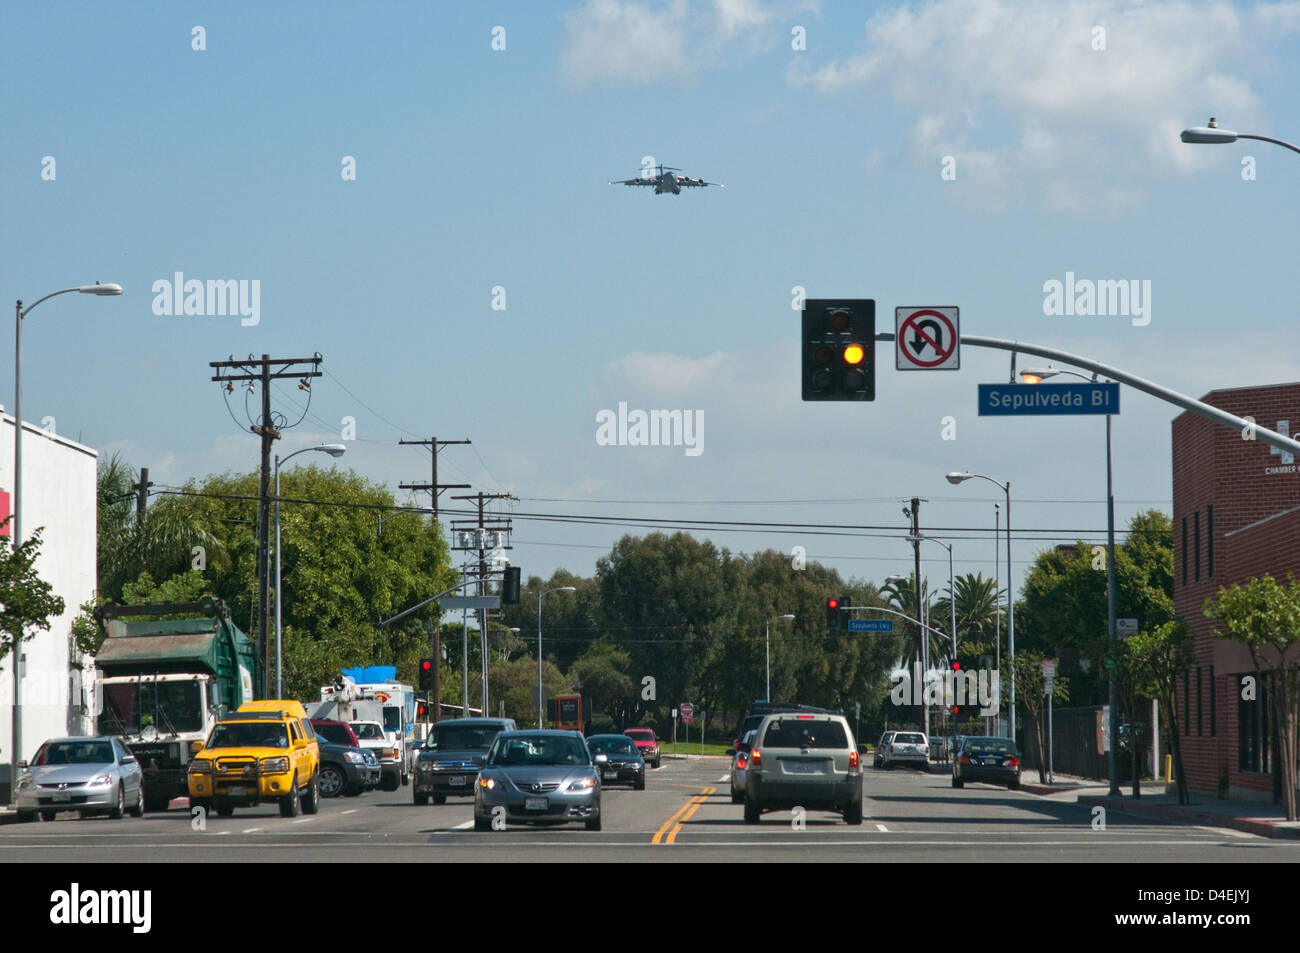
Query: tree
{"points": [[601, 676], [1031, 691], [26, 600], [1266, 617], [1158, 657], [978, 605]]}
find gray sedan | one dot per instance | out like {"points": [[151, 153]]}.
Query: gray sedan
{"points": [[90, 775], [537, 777]]}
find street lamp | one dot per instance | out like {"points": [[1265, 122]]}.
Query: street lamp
{"points": [[334, 450], [1034, 376], [767, 649], [16, 536], [1213, 134], [961, 476], [541, 698]]}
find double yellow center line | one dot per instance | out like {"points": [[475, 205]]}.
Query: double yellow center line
{"points": [[681, 817]]}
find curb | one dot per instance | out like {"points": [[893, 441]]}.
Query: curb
{"points": [[1185, 815]]}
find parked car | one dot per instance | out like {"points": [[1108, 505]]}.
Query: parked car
{"points": [[988, 759], [618, 759], [538, 777], [739, 765], [803, 760], [907, 747], [345, 769], [96, 775], [647, 743], [885, 739], [452, 756]]}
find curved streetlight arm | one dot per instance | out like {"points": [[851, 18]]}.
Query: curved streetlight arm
{"points": [[1270, 437], [1276, 142]]}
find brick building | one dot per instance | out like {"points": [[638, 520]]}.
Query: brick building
{"points": [[1236, 515]]}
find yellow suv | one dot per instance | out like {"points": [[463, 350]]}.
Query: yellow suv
{"points": [[256, 756]]}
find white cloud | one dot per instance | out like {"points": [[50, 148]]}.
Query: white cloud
{"points": [[624, 41], [1016, 91]]}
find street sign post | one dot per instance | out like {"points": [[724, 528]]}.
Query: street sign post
{"points": [[1018, 400], [927, 339], [688, 712], [871, 625]]}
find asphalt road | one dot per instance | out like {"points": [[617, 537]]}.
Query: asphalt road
{"points": [[684, 814]]}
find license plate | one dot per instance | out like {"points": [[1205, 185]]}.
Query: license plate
{"points": [[611, 775], [456, 782], [535, 803], [62, 796], [236, 790], [804, 767]]}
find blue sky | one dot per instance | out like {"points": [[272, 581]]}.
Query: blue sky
{"points": [[479, 168]]}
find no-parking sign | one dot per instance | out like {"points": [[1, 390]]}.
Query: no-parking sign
{"points": [[927, 339]]}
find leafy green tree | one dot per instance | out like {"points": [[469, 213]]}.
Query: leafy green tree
{"points": [[1158, 657], [977, 606], [511, 686], [26, 600], [601, 676], [1031, 696], [1266, 617]]}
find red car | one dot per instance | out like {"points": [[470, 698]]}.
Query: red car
{"points": [[646, 744]]}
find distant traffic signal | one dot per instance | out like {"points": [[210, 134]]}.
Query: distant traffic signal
{"points": [[426, 674], [510, 587], [833, 613], [843, 609], [839, 349]]}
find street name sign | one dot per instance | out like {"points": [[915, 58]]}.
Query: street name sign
{"points": [[469, 602], [871, 625], [927, 339], [1011, 400]]}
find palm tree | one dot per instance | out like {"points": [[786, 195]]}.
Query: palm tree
{"points": [[977, 605], [901, 594]]}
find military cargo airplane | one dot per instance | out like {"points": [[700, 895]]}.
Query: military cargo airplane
{"points": [[664, 180]]}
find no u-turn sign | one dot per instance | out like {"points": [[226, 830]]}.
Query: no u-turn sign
{"points": [[927, 339]]}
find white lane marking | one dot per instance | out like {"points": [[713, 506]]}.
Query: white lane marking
{"points": [[882, 827], [463, 827], [725, 777], [304, 820], [351, 811], [251, 830]]}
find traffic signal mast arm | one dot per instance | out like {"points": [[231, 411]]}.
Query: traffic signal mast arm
{"points": [[901, 615], [1271, 437]]}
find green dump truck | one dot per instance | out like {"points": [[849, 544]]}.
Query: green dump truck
{"points": [[163, 684]]}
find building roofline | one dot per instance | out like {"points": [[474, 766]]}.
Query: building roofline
{"points": [[30, 428]]}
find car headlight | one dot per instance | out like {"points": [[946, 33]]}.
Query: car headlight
{"points": [[582, 784], [355, 757], [101, 781], [488, 783], [275, 765], [201, 766], [425, 766], [26, 781]]}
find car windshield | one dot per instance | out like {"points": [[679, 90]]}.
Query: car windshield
{"points": [[805, 733], [989, 746], [76, 752], [538, 750], [641, 734], [909, 738], [249, 734], [338, 734], [611, 746], [368, 731], [456, 737]]}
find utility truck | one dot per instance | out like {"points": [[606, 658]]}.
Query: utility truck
{"points": [[375, 696]]}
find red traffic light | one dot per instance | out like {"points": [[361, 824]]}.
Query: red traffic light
{"points": [[426, 665], [832, 603], [956, 666]]}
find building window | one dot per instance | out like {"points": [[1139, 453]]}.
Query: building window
{"points": [[1198, 700], [1214, 705], [1196, 545], [1209, 541], [1253, 742], [1187, 702], [1184, 548]]}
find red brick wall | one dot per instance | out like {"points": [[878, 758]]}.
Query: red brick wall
{"points": [[1214, 466]]}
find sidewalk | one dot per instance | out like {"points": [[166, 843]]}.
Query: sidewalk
{"points": [[1252, 817]]}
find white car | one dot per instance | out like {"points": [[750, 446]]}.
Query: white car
{"points": [[906, 747], [371, 735]]}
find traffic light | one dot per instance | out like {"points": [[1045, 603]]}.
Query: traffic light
{"points": [[510, 587], [839, 349], [421, 711], [833, 613], [426, 674], [843, 610]]}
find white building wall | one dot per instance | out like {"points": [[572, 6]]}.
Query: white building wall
{"points": [[59, 478]]}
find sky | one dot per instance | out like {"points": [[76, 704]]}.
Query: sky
{"points": [[419, 193]]}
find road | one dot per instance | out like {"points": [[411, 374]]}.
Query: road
{"points": [[685, 814]]}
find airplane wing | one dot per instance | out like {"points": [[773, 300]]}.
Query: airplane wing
{"points": [[634, 182], [698, 183]]}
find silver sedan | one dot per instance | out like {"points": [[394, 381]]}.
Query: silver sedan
{"points": [[537, 777], [90, 775]]}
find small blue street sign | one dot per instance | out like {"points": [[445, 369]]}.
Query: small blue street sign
{"points": [[871, 625], [1011, 400]]}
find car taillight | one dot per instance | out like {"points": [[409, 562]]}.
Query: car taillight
{"points": [[853, 759], [740, 762], [965, 759], [756, 757], [1013, 762], [927, 749]]}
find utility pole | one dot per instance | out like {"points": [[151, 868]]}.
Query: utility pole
{"points": [[268, 429], [915, 513], [480, 543], [434, 487], [141, 497]]}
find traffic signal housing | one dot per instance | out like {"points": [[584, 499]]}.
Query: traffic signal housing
{"points": [[843, 610], [510, 587], [833, 613], [839, 349], [426, 674]]}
